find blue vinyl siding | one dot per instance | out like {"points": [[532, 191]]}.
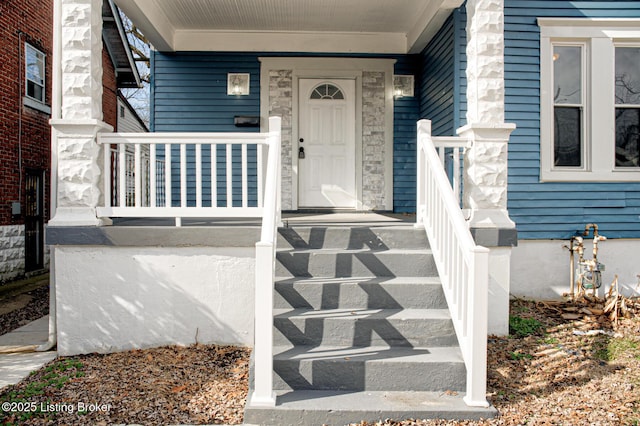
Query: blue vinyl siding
{"points": [[555, 210], [189, 94], [405, 116], [438, 90]]}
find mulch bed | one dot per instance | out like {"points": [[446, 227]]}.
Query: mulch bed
{"points": [[202, 384], [569, 366]]}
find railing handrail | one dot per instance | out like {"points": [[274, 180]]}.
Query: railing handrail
{"points": [[181, 138], [462, 265]]}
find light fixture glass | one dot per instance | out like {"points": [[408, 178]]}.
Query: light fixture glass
{"points": [[403, 86], [237, 84]]}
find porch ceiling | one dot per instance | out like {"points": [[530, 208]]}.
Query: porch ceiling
{"points": [[338, 26]]}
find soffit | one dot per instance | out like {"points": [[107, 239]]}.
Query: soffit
{"points": [[392, 25]]}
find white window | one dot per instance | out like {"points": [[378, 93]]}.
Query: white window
{"points": [[35, 73], [589, 99]]}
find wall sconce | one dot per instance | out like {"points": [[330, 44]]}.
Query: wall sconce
{"points": [[402, 86], [237, 84]]}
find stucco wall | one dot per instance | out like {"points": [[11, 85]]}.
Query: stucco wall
{"points": [[118, 298], [540, 268]]}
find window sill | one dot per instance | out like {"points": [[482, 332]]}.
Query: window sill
{"points": [[39, 106], [590, 176]]}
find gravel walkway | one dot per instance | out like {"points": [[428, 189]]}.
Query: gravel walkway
{"points": [[22, 308]]}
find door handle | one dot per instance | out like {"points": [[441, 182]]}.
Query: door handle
{"points": [[301, 152]]}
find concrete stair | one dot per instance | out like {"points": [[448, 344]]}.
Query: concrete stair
{"points": [[361, 330]]}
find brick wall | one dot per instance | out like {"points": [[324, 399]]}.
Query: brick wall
{"points": [[109, 91], [34, 19]]}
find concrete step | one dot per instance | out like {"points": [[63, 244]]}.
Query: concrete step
{"points": [[353, 238], [337, 408], [369, 368], [360, 293], [364, 327], [355, 263]]}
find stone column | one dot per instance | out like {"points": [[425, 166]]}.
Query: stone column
{"points": [[78, 83], [486, 164]]}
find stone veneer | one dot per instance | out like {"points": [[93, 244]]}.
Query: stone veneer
{"points": [[281, 105], [373, 134], [373, 140], [486, 163], [11, 252], [81, 113]]}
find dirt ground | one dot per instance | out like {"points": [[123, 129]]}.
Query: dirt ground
{"points": [[563, 364]]}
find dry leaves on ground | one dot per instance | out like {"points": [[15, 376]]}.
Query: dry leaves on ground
{"points": [[577, 371], [201, 384]]}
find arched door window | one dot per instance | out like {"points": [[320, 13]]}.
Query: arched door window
{"points": [[327, 91]]}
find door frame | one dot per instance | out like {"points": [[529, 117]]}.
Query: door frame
{"points": [[332, 68], [357, 167]]}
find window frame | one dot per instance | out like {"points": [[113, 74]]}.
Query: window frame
{"points": [[599, 38], [42, 85]]}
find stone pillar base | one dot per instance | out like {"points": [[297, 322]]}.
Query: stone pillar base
{"points": [[77, 216], [77, 158]]}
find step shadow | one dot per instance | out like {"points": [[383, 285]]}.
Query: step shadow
{"points": [[337, 370]]}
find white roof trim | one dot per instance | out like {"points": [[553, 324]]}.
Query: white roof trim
{"points": [[429, 24], [256, 41], [155, 24]]}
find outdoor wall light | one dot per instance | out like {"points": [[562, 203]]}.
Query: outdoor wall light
{"points": [[402, 86], [237, 84]]}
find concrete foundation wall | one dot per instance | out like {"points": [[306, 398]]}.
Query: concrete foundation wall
{"points": [[118, 298], [540, 268]]}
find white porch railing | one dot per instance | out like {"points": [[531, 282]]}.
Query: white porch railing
{"points": [[463, 267], [163, 174]]}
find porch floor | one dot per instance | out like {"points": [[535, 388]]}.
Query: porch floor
{"points": [[288, 219]]}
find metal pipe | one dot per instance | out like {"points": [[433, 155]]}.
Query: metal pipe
{"points": [[56, 113], [588, 227]]}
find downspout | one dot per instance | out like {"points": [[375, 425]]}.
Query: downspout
{"points": [[56, 113]]}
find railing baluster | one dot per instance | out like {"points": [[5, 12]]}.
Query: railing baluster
{"points": [[183, 175], [214, 175], [259, 172], [245, 194], [107, 174], [167, 175], [153, 169], [122, 176], [137, 186], [198, 175], [229, 176]]}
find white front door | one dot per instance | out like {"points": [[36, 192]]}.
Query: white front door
{"points": [[327, 176]]}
